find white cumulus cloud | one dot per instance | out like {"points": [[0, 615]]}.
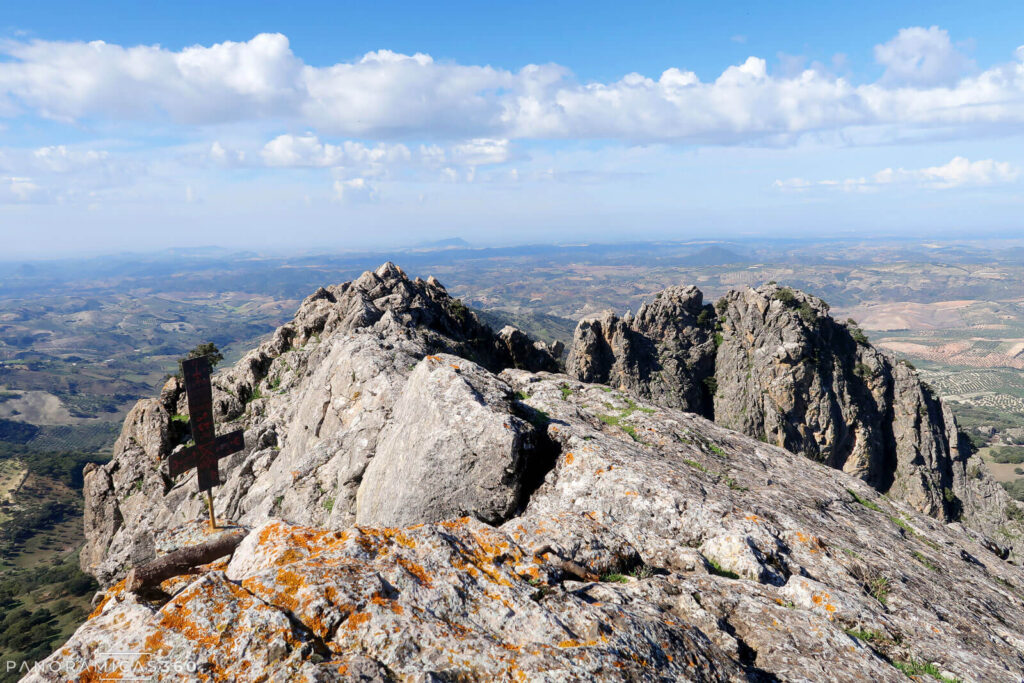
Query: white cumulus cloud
{"points": [[355, 190], [19, 190], [923, 57], [305, 150], [481, 151], [61, 159], [927, 83]]}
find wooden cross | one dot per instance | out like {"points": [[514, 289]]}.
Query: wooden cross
{"points": [[208, 448]]}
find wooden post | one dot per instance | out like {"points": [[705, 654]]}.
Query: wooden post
{"points": [[209, 505]]}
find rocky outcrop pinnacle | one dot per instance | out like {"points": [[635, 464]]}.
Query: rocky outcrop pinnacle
{"points": [[789, 373], [665, 353], [424, 501], [782, 370]]}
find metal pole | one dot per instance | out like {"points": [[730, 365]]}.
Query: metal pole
{"points": [[209, 506]]}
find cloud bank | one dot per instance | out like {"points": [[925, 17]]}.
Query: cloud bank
{"points": [[959, 172], [927, 83]]}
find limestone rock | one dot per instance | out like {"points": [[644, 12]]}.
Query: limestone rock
{"points": [[313, 400], [782, 370], [724, 558], [452, 448], [664, 354], [522, 352], [481, 499]]}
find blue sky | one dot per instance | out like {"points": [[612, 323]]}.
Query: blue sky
{"points": [[350, 125]]}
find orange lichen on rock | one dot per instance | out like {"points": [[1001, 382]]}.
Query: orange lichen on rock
{"points": [[116, 589], [416, 570], [356, 620], [155, 644], [385, 602]]}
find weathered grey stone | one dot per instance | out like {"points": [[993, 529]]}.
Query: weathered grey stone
{"points": [[743, 563], [723, 557], [782, 370], [522, 352], [665, 353], [795, 556], [452, 448], [313, 401]]}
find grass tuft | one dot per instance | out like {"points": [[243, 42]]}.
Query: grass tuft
{"points": [[870, 505], [614, 578], [718, 570]]}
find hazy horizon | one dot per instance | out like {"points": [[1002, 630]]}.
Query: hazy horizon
{"points": [[256, 126]]}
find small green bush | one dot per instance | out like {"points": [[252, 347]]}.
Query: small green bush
{"points": [[863, 371], [786, 296], [807, 312], [1013, 455], [878, 588], [614, 578]]}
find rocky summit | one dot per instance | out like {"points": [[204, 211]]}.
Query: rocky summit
{"points": [[427, 500], [771, 363]]}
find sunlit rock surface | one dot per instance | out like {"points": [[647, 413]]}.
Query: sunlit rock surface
{"points": [[424, 508]]}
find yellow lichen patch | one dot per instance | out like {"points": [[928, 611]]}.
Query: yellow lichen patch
{"points": [[416, 570], [155, 643], [289, 556], [455, 523], [569, 458], [220, 565], [753, 518], [288, 584], [390, 534], [356, 620], [392, 605], [116, 589], [577, 643], [629, 493], [268, 531]]}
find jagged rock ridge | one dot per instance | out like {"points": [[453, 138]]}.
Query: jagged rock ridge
{"points": [[319, 401], [782, 370], [723, 557]]}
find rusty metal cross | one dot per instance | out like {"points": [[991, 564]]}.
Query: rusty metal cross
{"points": [[208, 448]]}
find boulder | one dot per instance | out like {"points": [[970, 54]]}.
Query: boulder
{"points": [[452, 448]]}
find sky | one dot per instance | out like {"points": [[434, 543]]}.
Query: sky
{"points": [[293, 126]]}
